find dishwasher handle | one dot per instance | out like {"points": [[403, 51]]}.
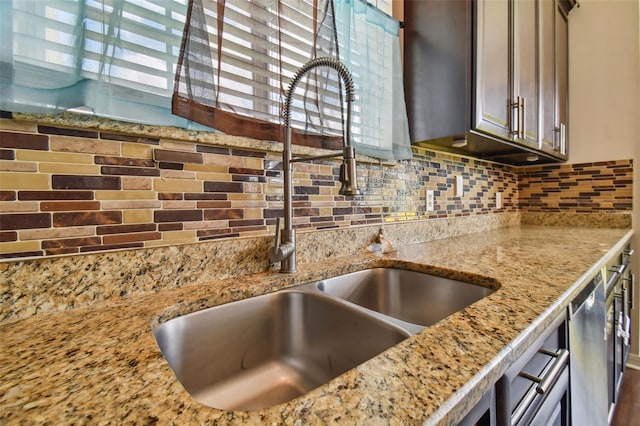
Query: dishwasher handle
{"points": [[587, 296], [614, 277]]}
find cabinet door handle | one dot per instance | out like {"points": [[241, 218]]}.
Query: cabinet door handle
{"points": [[562, 356], [515, 132], [518, 105], [523, 122], [561, 141]]}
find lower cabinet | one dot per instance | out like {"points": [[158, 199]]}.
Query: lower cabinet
{"points": [[535, 389], [571, 374], [619, 302], [483, 413]]}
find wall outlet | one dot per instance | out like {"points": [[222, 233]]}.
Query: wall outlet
{"points": [[498, 200], [430, 205], [459, 186]]}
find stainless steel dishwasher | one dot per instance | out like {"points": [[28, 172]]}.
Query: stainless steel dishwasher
{"points": [[588, 362]]}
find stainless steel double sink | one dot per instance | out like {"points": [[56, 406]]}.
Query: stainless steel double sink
{"points": [[269, 349]]}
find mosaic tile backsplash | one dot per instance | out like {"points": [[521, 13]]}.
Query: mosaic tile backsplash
{"points": [[602, 187], [66, 190], [76, 193], [103, 185]]}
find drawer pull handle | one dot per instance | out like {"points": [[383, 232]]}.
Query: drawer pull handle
{"points": [[544, 383]]}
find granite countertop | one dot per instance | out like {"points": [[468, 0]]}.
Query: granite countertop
{"points": [[100, 364]]}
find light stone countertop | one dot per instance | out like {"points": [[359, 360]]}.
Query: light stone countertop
{"points": [[100, 364]]}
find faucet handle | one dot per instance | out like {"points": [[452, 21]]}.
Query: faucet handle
{"points": [[281, 251]]}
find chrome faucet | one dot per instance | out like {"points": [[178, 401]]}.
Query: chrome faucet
{"points": [[284, 249]]}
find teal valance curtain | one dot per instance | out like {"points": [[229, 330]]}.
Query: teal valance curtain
{"points": [[111, 58], [369, 45]]}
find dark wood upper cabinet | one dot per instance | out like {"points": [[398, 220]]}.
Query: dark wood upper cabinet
{"points": [[488, 78]]}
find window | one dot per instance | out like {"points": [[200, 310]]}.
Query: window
{"points": [[237, 62], [254, 47], [119, 58]]}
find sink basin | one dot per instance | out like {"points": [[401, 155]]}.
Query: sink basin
{"points": [[410, 296], [266, 350]]}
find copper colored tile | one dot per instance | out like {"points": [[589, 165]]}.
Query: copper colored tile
{"points": [[24, 141], [245, 171], [51, 206], [169, 196], [55, 195], [86, 218], [7, 196], [135, 237], [124, 161], [217, 214], [71, 242]]}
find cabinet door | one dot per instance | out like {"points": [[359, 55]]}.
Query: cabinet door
{"points": [[493, 74], [525, 72], [553, 77], [562, 79], [549, 136]]}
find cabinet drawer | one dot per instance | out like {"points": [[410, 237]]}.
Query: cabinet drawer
{"points": [[540, 372]]}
